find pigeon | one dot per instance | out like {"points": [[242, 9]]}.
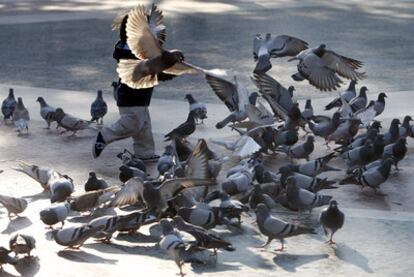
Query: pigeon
{"points": [[345, 131], [203, 238], [14, 205], [200, 110], [43, 175], [71, 123], [276, 47], [22, 244], [182, 150], [366, 115], [167, 160], [243, 147], [128, 172], [74, 237], [130, 160], [366, 153], [372, 177], [228, 208], [111, 224], [200, 215], [314, 167], [143, 28], [99, 108], [183, 130], [369, 136], [331, 220], [359, 102], [61, 188], [325, 128], [8, 105], [279, 98], [393, 132], [302, 151], [46, 112], [320, 67], [115, 86], [133, 221], [5, 258], [347, 95], [178, 244], [405, 128], [274, 228], [307, 113], [380, 103], [202, 163], [257, 196], [55, 214], [95, 183], [286, 138], [396, 150], [239, 182], [92, 199], [21, 116], [312, 184], [304, 199]]}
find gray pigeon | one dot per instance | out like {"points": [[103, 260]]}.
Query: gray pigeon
{"points": [[111, 224], [74, 237], [128, 172], [307, 113], [239, 182], [380, 103], [366, 153], [91, 200], [61, 188], [167, 160], [313, 184], [71, 123], [314, 167], [130, 160], [99, 108], [393, 132], [183, 130], [345, 131], [360, 101], [21, 116], [302, 151], [46, 112], [405, 128], [55, 214], [200, 110], [331, 220], [14, 205], [304, 199], [22, 244], [5, 258], [43, 175], [274, 228], [95, 183], [8, 105], [396, 150], [320, 67], [258, 196], [325, 128], [276, 47], [347, 95], [200, 215], [133, 221]]}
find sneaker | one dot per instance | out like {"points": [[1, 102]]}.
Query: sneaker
{"points": [[98, 146], [153, 158]]}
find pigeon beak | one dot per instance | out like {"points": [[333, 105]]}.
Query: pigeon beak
{"points": [[293, 59]]}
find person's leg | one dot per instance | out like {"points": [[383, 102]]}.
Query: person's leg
{"points": [[144, 146], [125, 127]]}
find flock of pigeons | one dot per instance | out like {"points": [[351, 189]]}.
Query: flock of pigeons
{"points": [[190, 197]]}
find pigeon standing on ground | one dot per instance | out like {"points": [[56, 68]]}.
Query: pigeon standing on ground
{"points": [[74, 237], [14, 205], [95, 183], [200, 110], [167, 160], [43, 175], [314, 167], [5, 258], [8, 105], [307, 113], [61, 189], [380, 103], [279, 46], [55, 214], [325, 128], [21, 116], [331, 219], [393, 132], [46, 112], [396, 150], [405, 128], [302, 151], [359, 102], [274, 228], [22, 244], [99, 108], [183, 130], [346, 95], [71, 123], [320, 67]]}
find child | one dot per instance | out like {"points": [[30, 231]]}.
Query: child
{"points": [[133, 105]]}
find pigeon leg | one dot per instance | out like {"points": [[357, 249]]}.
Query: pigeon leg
{"points": [[282, 247], [63, 223], [330, 241]]}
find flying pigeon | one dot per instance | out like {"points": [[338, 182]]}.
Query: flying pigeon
{"points": [[200, 110]]}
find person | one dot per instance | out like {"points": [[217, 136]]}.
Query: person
{"points": [[133, 105]]}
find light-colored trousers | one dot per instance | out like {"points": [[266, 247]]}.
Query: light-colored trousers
{"points": [[135, 122]]}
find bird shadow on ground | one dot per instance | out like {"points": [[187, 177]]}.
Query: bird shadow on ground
{"points": [[137, 238], [38, 196], [28, 266], [213, 267], [291, 262], [114, 248], [84, 257], [352, 256], [16, 224]]}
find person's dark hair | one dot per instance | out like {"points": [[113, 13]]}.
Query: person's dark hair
{"points": [[122, 30]]}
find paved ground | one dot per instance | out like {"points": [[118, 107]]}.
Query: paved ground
{"points": [[68, 44]]}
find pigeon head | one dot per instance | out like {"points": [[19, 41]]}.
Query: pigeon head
{"points": [[99, 93], [376, 125], [20, 102], [11, 93], [230, 187], [363, 91], [166, 226], [336, 116], [291, 89], [190, 98], [310, 139], [262, 210], [308, 104], [178, 221], [177, 55], [285, 171], [395, 122], [381, 96], [40, 99], [320, 50], [114, 84], [92, 174], [352, 85], [407, 120], [333, 204]]}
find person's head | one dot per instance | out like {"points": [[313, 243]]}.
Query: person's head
{"points": [[122, 29]]}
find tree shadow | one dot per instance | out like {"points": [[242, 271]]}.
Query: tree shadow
{"points": [[16, 224], [352, 256], [28, 266], [290, 262], [84, 257]]}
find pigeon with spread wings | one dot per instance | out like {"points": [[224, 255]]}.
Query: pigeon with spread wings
{"points": [[145, 36], [321, 68]]}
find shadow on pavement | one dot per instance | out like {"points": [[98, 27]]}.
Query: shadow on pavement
{"points": [[28, 266], [84, 257], [352, 256], [290, 262], [17, 224]]}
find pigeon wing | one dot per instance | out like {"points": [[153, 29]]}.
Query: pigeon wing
{"points": [[129, 193], [283, 45], [344, 66]]}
